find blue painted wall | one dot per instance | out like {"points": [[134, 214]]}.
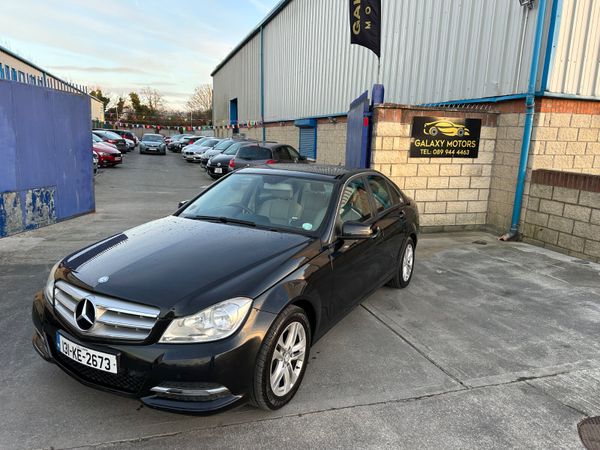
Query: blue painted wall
{"points": [[46, 173]]}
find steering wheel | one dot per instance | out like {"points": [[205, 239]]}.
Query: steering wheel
{"points": [[245, 209]]}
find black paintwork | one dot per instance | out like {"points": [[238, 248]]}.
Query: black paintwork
{"points": [[182, 266]]}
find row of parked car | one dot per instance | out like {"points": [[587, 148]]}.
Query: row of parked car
{"points": [[221, 156]]}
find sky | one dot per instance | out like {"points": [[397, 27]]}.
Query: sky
{"points": [[126, 45]]}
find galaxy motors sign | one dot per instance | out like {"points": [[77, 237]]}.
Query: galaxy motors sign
{"points": [[443, 137]]}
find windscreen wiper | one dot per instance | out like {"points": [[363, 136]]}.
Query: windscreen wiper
{"points": [[223, 220]]}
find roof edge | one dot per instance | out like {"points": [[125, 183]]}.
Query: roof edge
{"points": [[270, 16], [44, 71]]}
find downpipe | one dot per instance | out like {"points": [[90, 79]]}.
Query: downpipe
{"points": [[513, 233]]}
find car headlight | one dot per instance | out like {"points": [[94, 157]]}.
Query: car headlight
{"points": [[216, 322], [49, 288]]}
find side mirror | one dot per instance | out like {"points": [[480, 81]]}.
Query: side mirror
{"points": [[357, 230], [182, 203]]}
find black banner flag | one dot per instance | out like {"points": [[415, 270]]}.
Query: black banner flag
{"points": [[365, 24]]}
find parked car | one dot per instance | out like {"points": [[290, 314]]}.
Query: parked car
{"points": [[267, 153], [112, 138], [298, 248], [196, 144], [125, 135], [216, 150], [192, 153], [218, 165], [107, 155], [153, 143], [177, 144]]}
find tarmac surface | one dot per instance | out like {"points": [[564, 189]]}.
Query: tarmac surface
{"points": [[493, 345]]}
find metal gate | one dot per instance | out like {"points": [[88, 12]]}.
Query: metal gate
{"points": [[358, 150]]}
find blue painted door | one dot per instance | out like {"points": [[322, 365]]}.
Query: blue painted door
{"points": [[357, 135], [233, 111]]}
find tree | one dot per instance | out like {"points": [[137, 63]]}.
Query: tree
{"points": [[201, 100], [98, 94], [153, 100]]}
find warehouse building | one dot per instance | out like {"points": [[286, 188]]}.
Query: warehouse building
{"points": [[15, 68], [528, 70], [297, 72]]}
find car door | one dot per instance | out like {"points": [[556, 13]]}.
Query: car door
{"points": [[354, 273], [390, 219]]}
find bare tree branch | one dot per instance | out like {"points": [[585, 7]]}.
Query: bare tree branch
{"points": [[201, 99]]}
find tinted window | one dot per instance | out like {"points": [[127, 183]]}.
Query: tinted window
{"points": [[380, 193], [355, 202], [254, 153], [282, 154], [293, 153], [394, 195]]}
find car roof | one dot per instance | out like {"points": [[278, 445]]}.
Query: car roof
{"points": [[152, 134], [312, 170]]}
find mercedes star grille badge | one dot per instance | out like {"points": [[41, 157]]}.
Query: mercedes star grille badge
{"points": [[85, 314]]}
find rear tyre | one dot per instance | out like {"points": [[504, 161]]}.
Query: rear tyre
{"points": [[406, 265], [282, 360]]}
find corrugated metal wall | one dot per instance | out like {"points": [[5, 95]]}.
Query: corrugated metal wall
{"points": [[576, 61], [239, 78], [432, 51]]}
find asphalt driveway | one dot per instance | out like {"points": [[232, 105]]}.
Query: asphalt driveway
{"points": [[493, 345]]}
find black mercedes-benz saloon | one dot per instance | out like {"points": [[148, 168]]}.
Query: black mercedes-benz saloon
{"points": [[220, 303]]}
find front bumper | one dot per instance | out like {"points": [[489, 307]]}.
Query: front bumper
{"points": [[211, 169], [110, 160], [191, 378]]}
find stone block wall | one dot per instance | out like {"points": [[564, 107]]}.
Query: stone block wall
{"points": [[331, 141], [563, 213], [450, 192]]}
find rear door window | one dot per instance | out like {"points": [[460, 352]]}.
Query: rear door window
{"points": [[380, 193], [282, 154]]}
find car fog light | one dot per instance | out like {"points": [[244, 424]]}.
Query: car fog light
{"points": [[216, 322]]}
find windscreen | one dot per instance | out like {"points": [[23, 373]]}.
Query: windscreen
{"points": [[265, 200], [224, 145], [152, 138]]}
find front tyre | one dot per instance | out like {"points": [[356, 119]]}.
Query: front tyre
{"points": [[282, 360], [406, 265]]}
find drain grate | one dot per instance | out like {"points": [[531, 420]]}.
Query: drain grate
{"points": [[589, 432]]}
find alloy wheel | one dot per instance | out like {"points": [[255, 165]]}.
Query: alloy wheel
{"points": [[407, 262], [288, 359]]}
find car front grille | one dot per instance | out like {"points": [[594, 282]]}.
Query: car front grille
{"points": [[126, 381], [114, 318]]}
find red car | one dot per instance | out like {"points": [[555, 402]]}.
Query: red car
{"points": [[108, 155]]}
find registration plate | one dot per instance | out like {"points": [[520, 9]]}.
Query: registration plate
{"points": [[117, 158], [218, 170], [86, 356]]}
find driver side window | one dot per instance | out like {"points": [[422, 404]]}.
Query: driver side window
{"points": [[355, 203]]}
